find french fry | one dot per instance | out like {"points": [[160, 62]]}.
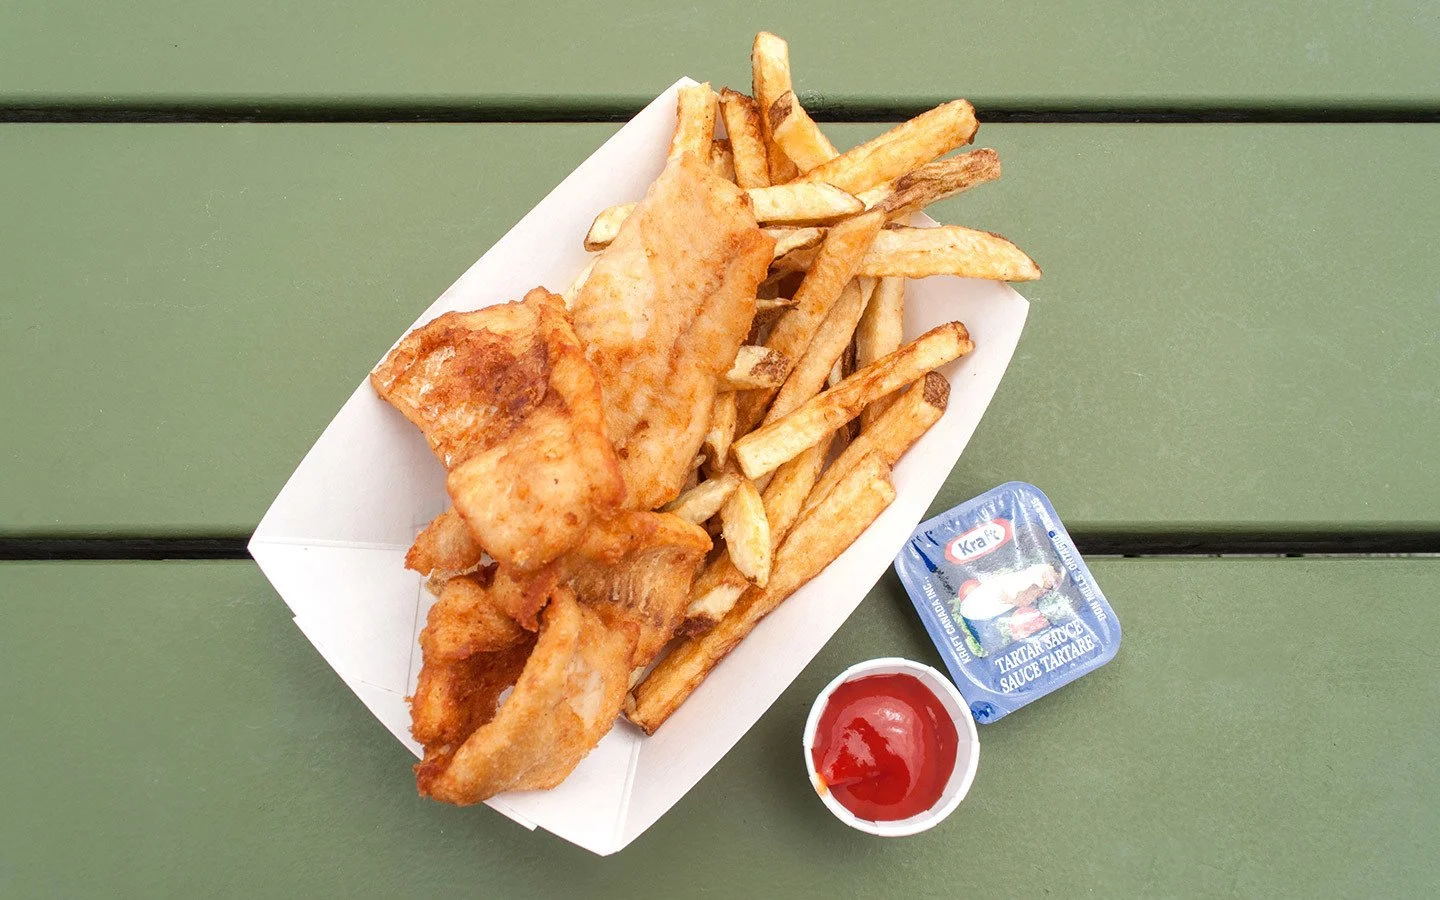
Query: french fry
{"points": [[720, 584], [844, 245], [694, 121], [894, 432], [756, 367], [774, 304], [947, 250], [769, 309], [747, 532], [790, 239], [606, 226], [573, 291], [801, 259], [817, 539], [827, 346], [704, 500], [798, 135], [747, 139], [907, 146], [933, 182], [722, 159], [837, 371], [772, 444], [722, 428], [770, 78], [881, 331], [803, 202]]}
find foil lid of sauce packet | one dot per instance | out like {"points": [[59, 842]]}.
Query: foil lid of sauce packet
{"points": [[1007, 599]]}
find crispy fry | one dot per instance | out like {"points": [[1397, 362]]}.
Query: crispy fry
{"points": [[903, 148], [774, 305], [844, 245], [947, 250], [756, 367], [573, 290], [747, 139], [790, 239], [845, 366], [827, 346], [932, 183], [722, 159], [799, 260], [703, 501], [803, 202], [694, 121], [881, 331], [606, 226], [766, 312], [722, 428], [721, 583], [817, 539], [798, 135], [747, 532], [893, 432], [770, 78], [772, 444]]}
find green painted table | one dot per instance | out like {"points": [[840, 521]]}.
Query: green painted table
{"points": [[1268, 729], [1229, 313], [1235, 335], [571, 56]]}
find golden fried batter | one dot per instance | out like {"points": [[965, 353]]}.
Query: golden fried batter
{"points": [[510, 405], [661, 316], [445, 548], [564, 701]]}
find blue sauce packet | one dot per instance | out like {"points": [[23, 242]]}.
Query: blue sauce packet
{"points": [[1007, 599]]}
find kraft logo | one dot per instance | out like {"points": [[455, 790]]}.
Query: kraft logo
{"points": [[980, 540]]}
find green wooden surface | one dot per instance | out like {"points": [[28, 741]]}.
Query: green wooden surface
{"points": [[1268, 729], [573, 54], [1237, 325]]}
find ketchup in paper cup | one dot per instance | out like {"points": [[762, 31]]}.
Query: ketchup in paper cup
{"points": [[891, 747]]}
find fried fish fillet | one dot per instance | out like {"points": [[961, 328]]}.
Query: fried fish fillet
{"points": [[565, 699], [507, 400], [444, 548], [661, 316], [636, 569]]}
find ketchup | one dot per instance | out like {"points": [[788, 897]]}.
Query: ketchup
{"points": [[885, 747]]}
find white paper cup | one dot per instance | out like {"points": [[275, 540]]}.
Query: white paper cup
{"points": [[967, 750]]}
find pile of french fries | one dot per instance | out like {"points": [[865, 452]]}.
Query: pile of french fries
{"points": [[785, 477]]}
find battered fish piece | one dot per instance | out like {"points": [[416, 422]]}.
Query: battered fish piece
{"points": [[662, 315], [565, 700], [466, 620], [508, 402], [444, 549], [635, 570], [455, 697]]}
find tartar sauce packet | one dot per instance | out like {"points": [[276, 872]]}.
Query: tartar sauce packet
{"points": [[1007, 599]]}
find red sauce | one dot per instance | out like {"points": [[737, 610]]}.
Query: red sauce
{"points": [[885, 747]]}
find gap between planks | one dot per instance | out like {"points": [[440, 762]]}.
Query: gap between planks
{"points": [[399, 111], [1237, 544]]}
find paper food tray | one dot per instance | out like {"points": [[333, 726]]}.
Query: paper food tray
{"points": [[333, 543]]}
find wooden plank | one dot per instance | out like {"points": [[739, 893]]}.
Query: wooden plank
{"points": [[573, 55], [1234, 330], [169, 732]]}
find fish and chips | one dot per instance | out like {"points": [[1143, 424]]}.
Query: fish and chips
{"points": [[643, 466]]}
